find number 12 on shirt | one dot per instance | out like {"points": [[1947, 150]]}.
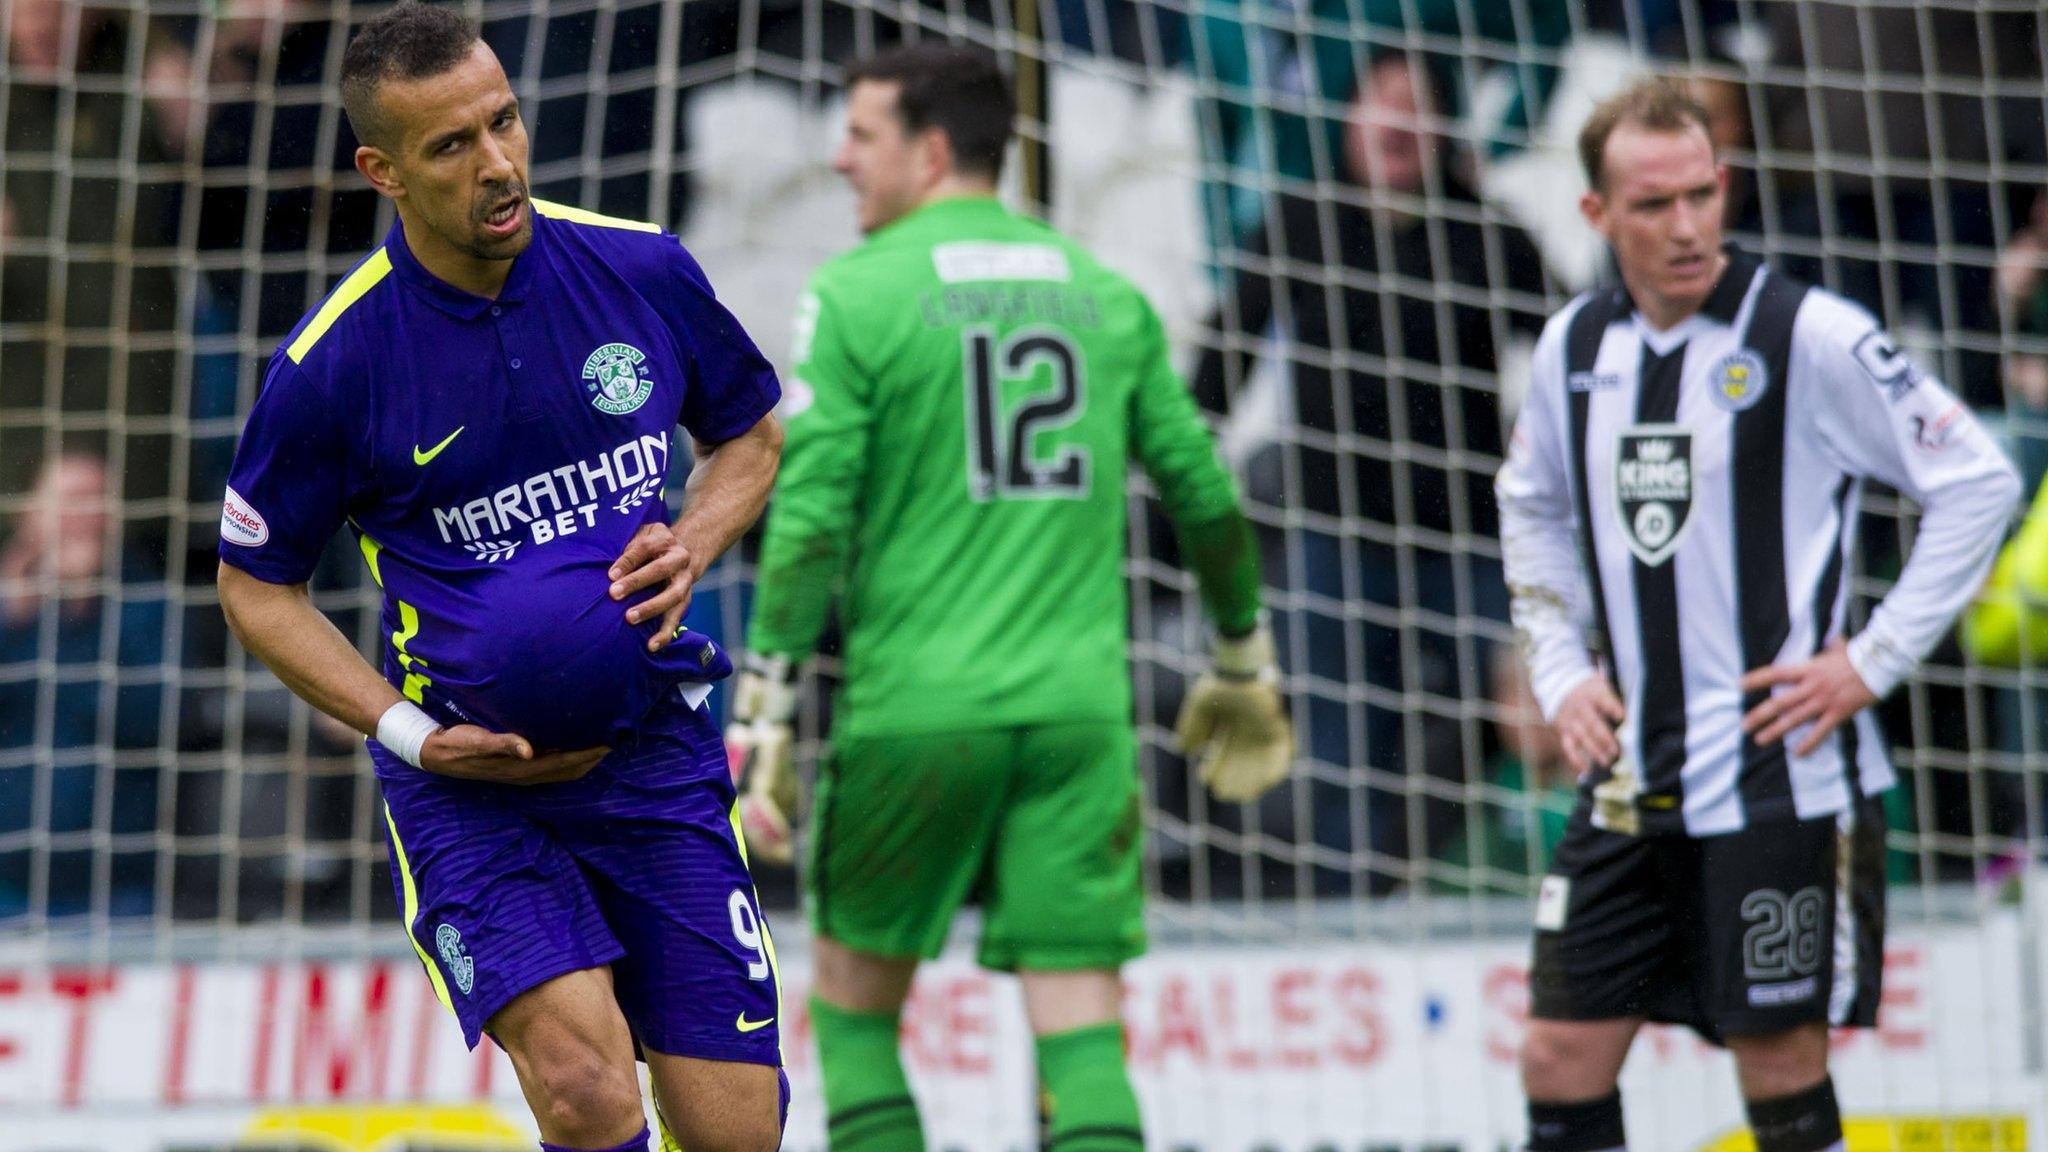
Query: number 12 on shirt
{"points": [[999, 460]]}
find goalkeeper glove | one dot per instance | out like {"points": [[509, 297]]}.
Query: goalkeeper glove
{"points": [[1236, 720], [761, 743]]}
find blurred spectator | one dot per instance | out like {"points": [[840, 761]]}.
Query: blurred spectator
{"points": [[1727, 103], [2007, 627], [1139, 32], [1505, 833], [1878, 131], [2023, 307], [1273, 72], [81, 671], [64, 139], [177, 117], [1393, 320], [45, 39], [89, 272]]}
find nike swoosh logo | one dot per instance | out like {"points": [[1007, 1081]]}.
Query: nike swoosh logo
{"points": [[425, 458], [746, 1025]]}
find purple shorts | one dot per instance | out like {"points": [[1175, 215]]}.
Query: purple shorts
{"points": [[636, 865]]}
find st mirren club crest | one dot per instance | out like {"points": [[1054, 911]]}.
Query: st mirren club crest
{"points": [[1740, 379], [1653, 488]]}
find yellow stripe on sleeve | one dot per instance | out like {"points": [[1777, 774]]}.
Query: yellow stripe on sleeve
{"points": [[412, 911], [554, 211], [351, 289]]}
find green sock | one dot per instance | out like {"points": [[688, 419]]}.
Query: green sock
{"points": [[1086, 1093], [867, 1099]]}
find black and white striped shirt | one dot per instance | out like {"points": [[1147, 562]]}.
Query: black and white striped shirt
{"points": [[1710, 473]]}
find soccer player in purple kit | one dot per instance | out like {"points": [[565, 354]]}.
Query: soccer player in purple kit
{"points": [[488, 402]]}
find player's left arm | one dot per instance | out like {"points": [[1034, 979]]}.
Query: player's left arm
{"points": [[726, 492], [727, 407], [1235, 717], [1881, 417], [1173, 446]]}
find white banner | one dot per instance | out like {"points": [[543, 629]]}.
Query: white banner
{"points": [[1362, 1047]]}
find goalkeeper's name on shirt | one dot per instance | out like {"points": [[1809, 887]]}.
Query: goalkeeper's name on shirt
{"points": [[958, 304]]}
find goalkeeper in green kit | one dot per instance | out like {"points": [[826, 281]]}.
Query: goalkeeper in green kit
{"points": [[969, 390]]}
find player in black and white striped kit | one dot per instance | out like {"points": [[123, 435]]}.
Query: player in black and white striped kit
{"points": [[1676, 509]]}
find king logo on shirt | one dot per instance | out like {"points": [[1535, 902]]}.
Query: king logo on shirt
{"points": [[1653, 488]]}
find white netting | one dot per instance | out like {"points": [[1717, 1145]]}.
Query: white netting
{"points": [[177, 193]]}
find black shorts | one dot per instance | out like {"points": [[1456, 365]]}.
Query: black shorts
{"points": [[1747, 933]]}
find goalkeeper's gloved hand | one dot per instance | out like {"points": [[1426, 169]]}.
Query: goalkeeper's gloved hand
{"points": [[1236, 720], [762, 743]]}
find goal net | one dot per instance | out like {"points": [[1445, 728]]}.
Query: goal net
{"points": [[1352, 216]]}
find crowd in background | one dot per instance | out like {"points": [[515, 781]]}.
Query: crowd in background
{"points": [[156, 241]]}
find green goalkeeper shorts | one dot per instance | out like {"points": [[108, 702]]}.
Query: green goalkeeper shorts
{"points": [[1040, 823]]}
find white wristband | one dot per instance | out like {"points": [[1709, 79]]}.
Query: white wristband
{"points": [[403, 731]]}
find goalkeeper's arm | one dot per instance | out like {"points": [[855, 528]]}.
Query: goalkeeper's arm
{"points": [[1235, 719], [803, 556], [792, 597]]}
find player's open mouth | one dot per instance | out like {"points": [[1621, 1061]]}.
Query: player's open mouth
{"points": [[505, 220]]}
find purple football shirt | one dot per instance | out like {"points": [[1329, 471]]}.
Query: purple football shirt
{"points": [[495, 457]]}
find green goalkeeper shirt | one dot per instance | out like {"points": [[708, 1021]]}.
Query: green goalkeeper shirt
{"points": [[969, 389]]}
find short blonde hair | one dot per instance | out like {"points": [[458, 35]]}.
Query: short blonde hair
{"points": [[1659, 104]]}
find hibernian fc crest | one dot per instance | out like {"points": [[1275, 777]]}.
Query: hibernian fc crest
{"points": [[616, 376], [448, 941], [1653, 488]]}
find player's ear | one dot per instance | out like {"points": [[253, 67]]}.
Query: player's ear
{"points": [[1593, 207], [936, 150], [377, 168]]}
